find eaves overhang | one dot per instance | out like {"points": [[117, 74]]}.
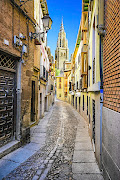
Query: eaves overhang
{"points": [[44, 7]]}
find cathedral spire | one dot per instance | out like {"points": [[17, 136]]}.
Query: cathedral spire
{"points": [[62, 51], [62, 27]]}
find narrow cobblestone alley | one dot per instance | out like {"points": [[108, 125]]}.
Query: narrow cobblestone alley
{"points": [[63, 149]]}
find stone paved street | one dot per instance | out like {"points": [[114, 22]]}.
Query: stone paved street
{"points": [[60, 149]]}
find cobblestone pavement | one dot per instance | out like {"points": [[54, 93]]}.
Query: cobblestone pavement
{"points": [[57, 160], [54, 160]]}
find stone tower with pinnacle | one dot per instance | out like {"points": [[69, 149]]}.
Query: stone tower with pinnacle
{"points": [[62, 51]]}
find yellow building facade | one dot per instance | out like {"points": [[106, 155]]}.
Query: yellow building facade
{"points": [[60, 87]]}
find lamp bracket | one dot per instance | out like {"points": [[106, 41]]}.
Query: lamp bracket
{"points": [[23, 2], [34, 35]]}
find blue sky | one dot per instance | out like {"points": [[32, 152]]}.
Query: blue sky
{"points": [[71, 12]]}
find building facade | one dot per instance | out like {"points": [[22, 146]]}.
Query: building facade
{"points": [[16, 69], [24, 68], [111, 97], [94, 81]]}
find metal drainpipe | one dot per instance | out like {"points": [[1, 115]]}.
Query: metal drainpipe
{"points": [[18, 91], [101, 30], [101, 101]]}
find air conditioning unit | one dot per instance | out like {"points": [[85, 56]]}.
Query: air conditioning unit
{"points": [[16, 41], [24, 49], [21, 36], [20, 43]]}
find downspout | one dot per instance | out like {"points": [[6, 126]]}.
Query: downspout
{"points": [[18, 92], [101, 98], [101, 33]]}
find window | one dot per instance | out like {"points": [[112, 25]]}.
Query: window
{"points": [[51, 87], [59, 95], [93, 52], [60, 80], [59, 86], [60, 42], [79, 104], [76, 102], [93, 70], [33, 102], [63, 45], [89, 111], [87, 105], [70, 86], [77, 84], [93, 106], [83, 102]]}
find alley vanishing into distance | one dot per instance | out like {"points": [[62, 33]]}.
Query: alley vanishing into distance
{"points": [[60, 149]]}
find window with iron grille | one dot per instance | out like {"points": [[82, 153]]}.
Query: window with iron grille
{"points": [[80, 83], [7, 61], [93, 70], [46, 76], [93, 106], [89, 110], [77, 84], [43, 71], [87, 105], [70, 87], [79, 104], [51, 87], [83, 102]]}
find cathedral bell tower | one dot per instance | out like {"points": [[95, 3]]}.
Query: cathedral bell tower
{"points": [[62, 51]]}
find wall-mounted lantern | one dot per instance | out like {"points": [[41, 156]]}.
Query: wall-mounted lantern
{"points": [[47, 22]]}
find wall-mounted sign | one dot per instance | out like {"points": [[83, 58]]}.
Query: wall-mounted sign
{"points": [[6, 42]]}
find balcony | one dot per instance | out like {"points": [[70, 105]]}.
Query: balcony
{"points": [[84, 68], [84, 82], [43, 73], [85, 38], [85, 6], [84, 63], [84, 21]]}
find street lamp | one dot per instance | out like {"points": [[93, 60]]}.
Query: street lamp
{"points": [[47, 22]]}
